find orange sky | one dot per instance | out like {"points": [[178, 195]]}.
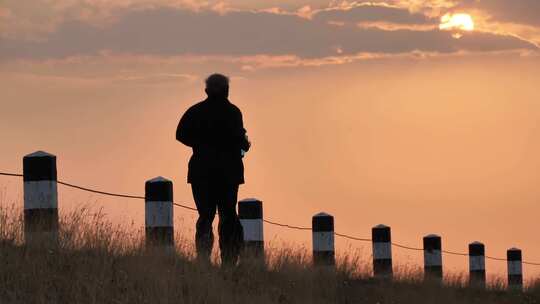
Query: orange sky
{"points": [[420, 138]]}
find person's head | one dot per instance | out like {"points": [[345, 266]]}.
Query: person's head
{"points": [[217, 86]]}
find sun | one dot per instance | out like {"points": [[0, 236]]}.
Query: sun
{"points": [[460, 22]]}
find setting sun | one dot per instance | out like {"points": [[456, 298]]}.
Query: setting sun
{"points": [[462, 22]]}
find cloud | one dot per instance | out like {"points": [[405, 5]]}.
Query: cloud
{"points": [[175, 31], [373, 13], [516, 11], [432, 8], [130, 69], [36, 18]]}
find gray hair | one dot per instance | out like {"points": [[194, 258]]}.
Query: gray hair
{"points": [[217, 81]]}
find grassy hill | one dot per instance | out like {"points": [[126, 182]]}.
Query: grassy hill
{"points": [[96, 262]]}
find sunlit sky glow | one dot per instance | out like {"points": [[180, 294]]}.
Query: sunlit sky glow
{"points": [[460, 21]]}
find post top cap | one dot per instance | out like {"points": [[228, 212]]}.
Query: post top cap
{"points": [[477, 243], [39, 154], [159, 179], [514, 249], [432, 236], [250, 199], [322, 214], [381, 226]]}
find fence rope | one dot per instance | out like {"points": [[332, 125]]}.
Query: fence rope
{"points": [[406, 247], [286, 226], [99, 192], [118, 195], [10, 174], [266, 221], [352, 237]]}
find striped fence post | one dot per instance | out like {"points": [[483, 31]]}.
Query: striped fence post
{"points": [[432, 257], [40, 197], [515, 269], [322, 226], [250, 212], [477, 264], [159, 213], [382, 251]]}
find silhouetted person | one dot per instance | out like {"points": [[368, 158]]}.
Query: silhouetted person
{"points": [[213, 128]]}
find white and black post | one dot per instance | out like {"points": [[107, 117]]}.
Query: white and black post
{"points": [[432, 257], [159, 213], [250, 212], [477, 265], [515, 269], [382, 251], [40, 196], [322, 226]]}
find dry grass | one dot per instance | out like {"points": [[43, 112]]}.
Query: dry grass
{"points": [[97, 262]]}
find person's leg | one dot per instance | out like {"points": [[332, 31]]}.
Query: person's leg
{"points": [[206, 206], [231, 235]]}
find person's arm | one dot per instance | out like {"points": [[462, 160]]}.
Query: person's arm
{"points": [[185, 132], [244, 143]]}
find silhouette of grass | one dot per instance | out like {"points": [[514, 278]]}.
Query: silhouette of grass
{"points": [[98, 262]]}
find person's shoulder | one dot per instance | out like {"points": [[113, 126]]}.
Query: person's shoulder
{"points": [[234, 108], [196, 107]]}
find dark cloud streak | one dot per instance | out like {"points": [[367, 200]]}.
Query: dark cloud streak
{"points": [[374, 13]]}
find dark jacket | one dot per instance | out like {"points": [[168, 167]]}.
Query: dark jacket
{"points": [[213, 128]]}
